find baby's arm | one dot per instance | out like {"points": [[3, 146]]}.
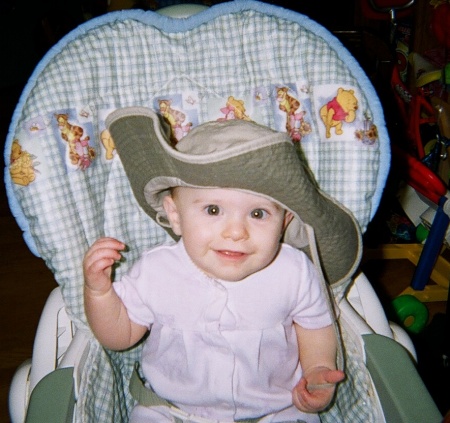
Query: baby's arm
{"points": [[105, 311], [317, 350]]}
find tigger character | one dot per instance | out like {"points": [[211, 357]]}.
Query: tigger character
{"points": [[80, 153], [289, 105], [296, 127], [175, 119]]}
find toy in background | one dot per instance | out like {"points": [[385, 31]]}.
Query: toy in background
{"points": [[440, 22], [419, 124], [389, 29], [440, 27], [425, 111], [419, 145], [427, 85]]}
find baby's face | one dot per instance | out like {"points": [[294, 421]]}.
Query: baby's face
{"points": [[228, 234]]}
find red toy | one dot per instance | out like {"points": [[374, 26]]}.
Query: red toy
{"points": [[440, 22]]}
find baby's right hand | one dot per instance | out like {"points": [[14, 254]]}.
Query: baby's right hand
{"points": [[97, 264]]}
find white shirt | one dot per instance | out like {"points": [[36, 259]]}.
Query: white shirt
{"points": [[223, 350]]}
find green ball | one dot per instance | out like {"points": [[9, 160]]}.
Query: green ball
{"points": [[413, 314]]}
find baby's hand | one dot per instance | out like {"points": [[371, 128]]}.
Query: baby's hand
{"points": [[316, 389], [97, 264]]}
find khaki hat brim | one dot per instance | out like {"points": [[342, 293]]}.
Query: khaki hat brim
{"points": [[142, 141]]}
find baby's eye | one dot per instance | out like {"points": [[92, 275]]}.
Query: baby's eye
{"points": [[213, 210], [258, 214]]}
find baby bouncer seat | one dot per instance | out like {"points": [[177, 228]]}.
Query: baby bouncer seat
{"points": [[67, 187]]}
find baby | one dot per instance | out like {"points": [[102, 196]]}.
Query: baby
{"points": [[240, 324]]}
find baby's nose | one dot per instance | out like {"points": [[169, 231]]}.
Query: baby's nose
{"points": [[236, 230]]}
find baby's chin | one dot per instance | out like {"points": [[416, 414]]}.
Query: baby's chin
{"points": [[233, 274], [226, 278], [232, 277]]}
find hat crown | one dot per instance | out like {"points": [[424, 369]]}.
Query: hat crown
{"points": [[219, 136]]}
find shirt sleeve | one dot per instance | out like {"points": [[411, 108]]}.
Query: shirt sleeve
{"points": [[132, 290], [313, 309]]}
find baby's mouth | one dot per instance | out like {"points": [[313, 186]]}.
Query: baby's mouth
{"points": [[231, 254]]}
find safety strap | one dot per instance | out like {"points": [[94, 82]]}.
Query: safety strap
{"points": [[147, 397], [142, 394]]}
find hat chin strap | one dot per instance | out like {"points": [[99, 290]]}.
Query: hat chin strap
{"points": [[300, 235], [308, 231]]}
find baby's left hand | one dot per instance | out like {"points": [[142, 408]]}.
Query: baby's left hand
{"points": [[316, 389]]}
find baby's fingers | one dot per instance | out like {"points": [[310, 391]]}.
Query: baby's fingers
{"points": [[101, 256], [104, 248], [332, 377], [310, 397], [106, 244], [100, 264]]}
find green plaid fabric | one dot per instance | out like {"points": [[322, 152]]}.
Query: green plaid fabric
{"points": [[126, 60]]}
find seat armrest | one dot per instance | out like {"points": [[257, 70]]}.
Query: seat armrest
{"points": [[402, 393], [53, 399]]}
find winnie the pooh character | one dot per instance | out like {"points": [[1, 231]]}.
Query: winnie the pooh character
{"points": [[21, 165], [108, 143], [234, 109], [341, 109]]}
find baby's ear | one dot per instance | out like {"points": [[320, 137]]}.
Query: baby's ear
{"points": [[172, 214], [287, 219]]}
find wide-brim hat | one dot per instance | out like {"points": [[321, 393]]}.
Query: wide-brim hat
{"points": [[240, 155]]}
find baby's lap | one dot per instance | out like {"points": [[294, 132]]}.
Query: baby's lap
{"points": [[161, 414], [158, 414]]}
